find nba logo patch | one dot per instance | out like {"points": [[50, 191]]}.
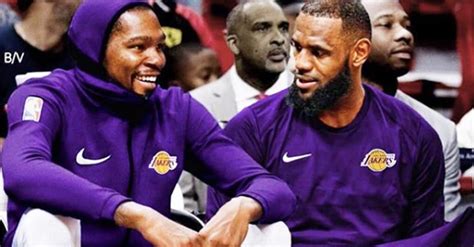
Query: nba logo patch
{"points": [[163, 162], [378, 160], [32, 109]]}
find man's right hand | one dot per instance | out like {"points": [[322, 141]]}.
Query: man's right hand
{"points": [[154, 227]]}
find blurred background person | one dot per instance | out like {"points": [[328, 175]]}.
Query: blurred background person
{"points": [[36, 43], [463, 10], [391, 57], [190, 66], [182, 25], [465, 129], [7, 15], [291, 8]]}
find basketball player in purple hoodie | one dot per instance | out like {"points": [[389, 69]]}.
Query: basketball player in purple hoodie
{"points": [[103, 144], [366, 169]]}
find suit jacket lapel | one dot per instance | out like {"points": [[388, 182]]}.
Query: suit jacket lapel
{"points": [[224, 105]]}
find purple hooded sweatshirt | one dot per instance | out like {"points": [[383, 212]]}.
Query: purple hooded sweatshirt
{"points": [[80, 145]]}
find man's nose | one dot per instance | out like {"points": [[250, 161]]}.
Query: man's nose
{"points": [[278, 37], [155, 58], [303, 61], [403, 34]]}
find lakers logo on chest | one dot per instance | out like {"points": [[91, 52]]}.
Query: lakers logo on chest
{"points": [[163, 162], [378, 160]]}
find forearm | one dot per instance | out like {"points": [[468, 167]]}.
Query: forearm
{"points": [[241, 176], [59, 191], [56, 189]]}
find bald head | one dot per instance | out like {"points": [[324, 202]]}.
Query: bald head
{"points": [[240, 13], [257, 35]]}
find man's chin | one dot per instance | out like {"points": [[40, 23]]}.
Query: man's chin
{"points": [[305, 95], [276, 67], [400, 66], [401, 70]]}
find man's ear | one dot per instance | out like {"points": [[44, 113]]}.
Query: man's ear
{"points": [[360, 52], [232, 43]]}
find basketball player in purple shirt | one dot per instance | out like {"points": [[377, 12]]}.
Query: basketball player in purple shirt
{"points": [[103, 144], [365, 167]]}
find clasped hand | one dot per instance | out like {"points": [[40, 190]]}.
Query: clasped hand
{"points": [[227, 228]]}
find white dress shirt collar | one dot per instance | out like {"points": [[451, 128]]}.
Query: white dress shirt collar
{"points": [[246, 95]]}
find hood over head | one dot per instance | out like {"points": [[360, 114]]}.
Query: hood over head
{"points": [[88, 35], [91, 25]]}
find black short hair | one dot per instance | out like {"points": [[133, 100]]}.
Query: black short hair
{"points": [[23, 5], [355, 19], [175, 58]]}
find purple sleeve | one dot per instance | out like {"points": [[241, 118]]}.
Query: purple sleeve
{"points": [[227, 168], [30, 175], [426, 198], [243, 130]]}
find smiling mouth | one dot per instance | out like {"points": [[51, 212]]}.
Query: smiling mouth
{"points": [[146, 78]]}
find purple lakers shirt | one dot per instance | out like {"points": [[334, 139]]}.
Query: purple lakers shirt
{"points": [[379, 179], [79, 145]]}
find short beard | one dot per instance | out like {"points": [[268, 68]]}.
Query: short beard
{"points": [[323, 98]]}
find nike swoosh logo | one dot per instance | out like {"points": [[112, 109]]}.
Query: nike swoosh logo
{"points": [[288, 159], [86, 162]]}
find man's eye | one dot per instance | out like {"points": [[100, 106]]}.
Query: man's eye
{"points": [[206, 77], [137, 47], [296, 46], [261, 28], [387, 25], [316, 52], [407, 26], [319, 53]]}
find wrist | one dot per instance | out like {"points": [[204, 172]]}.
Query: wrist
{"points": [[251, 209], [130, 215]]}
